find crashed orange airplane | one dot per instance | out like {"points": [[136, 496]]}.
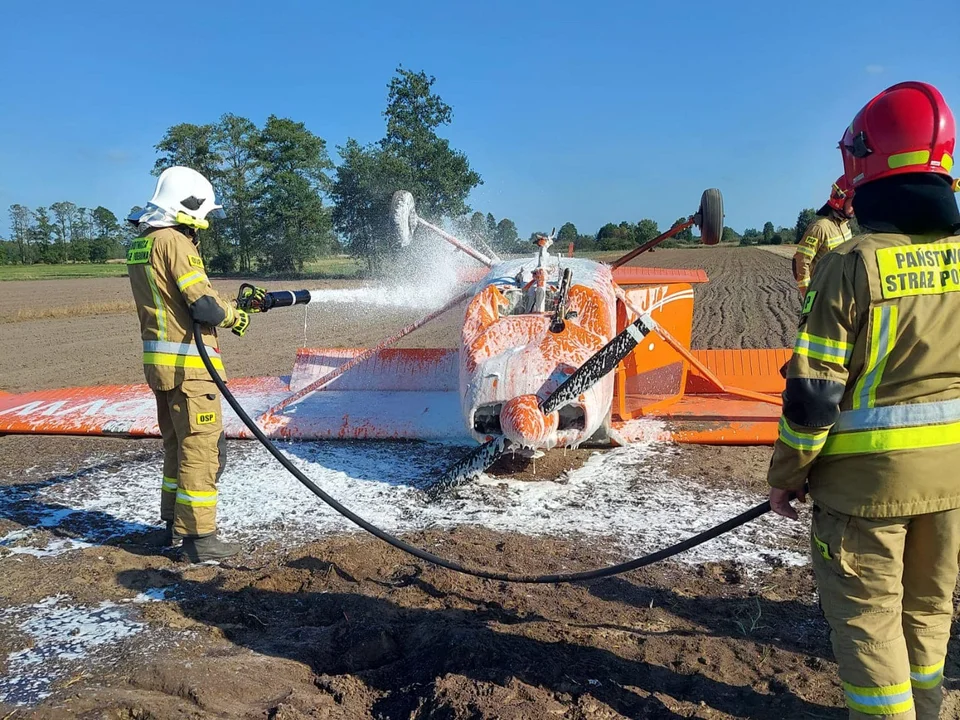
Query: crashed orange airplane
{"points": [[553, 352]]}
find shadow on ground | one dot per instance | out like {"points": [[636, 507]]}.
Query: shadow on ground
{"points": [[406, 656]]}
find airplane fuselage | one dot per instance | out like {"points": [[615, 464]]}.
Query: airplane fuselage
{"points": [[514, 353]]}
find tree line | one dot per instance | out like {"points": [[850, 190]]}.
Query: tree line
{"points": [[62, 233], [288, 203]]}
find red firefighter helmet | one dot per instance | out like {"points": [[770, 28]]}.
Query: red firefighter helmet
{"points": [[840, 196], [908, 128]]}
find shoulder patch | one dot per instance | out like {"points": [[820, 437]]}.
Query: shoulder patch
{"points": [[139, 252], [195, 261], [808, 302]]}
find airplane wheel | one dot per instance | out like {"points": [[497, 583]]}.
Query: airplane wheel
{"points": [[710, 217]]}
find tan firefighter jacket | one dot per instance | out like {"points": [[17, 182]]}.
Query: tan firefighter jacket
{"points": [[171, 289], [878, 341], [821, 236]]}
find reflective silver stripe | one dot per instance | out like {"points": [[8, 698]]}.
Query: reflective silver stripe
{"points": [[172, 348], [883, 335], [899, 416]]}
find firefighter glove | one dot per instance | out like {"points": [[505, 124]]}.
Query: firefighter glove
{"points": [[241, 323], [252, 299]]}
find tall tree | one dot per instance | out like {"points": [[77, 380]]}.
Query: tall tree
{"points": [[683, 235], [362, 192], [410, 157], [566, 235], [106, 235], [507, 238], [238, 145], [41, 234], [63, 218], [294, 225], [646, 230], [439, 177], [191, 146], [81, 235], [768, 233], [478, 226], [21, 220]]}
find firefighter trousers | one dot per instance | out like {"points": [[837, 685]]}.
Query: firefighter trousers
{"points": [[886, 589], [194, 455]]}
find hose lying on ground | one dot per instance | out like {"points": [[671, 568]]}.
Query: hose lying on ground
{"points": [[396, 542]]}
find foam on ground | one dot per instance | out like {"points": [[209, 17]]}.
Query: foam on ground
{"points": [[619, 495], [64, 639]]}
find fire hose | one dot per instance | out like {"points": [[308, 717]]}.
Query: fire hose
{"points": [[655, 557]]}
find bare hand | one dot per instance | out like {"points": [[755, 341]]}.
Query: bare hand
{"points": [[780, 501]]}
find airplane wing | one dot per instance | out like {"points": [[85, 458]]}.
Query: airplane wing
{"points": [[407, 394]]}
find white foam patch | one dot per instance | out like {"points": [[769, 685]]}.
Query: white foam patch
{"points": [[24, 542], [75, 528], [53, 548], [64, 638], [620, 495]]}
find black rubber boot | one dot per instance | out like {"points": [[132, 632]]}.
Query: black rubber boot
{"points": [[161, 539], [205, 549]]}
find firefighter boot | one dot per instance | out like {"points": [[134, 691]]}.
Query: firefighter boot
{"points": [[207, 548], [161, 539]]}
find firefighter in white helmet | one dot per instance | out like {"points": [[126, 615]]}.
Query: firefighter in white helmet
{"points": [[172, 291]]}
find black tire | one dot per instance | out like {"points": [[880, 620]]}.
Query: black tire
{"points": [[710, 217]]}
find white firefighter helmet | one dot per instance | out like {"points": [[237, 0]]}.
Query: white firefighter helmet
{"points": [[182, 197]]}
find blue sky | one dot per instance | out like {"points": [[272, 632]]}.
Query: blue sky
{"points": [[571, 111]]}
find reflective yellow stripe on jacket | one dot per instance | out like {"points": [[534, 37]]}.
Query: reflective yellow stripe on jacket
{"points": [[809, 442], [895, 427], [190, 278], [171, 354], [822, 348]]}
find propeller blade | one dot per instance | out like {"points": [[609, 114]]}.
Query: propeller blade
{"points": [[470, 465], [605, 360]]}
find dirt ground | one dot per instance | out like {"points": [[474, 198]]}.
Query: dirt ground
{"points": [[349, 628]]}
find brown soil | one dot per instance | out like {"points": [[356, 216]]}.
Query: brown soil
{"points": [[751, 300], [349, 628]]}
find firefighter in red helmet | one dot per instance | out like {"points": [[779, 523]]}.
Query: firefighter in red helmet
{"points": [[871, 410], [828, 231]]}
